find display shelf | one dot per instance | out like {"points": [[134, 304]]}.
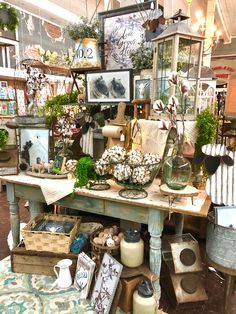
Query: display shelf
{"points": [[12, 96], [7, 99]]}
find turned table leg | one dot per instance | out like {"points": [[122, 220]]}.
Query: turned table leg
{"points": [[155, 226], [14, 213], [35, 208]]}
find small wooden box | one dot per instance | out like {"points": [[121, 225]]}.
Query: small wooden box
{"points": [[128, 288], [38, 262]]}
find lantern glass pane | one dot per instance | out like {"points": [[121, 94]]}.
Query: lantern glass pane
{"points": [[163, 70], [188, 54], [188, 102]]}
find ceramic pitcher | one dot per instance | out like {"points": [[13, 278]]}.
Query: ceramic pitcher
{"points": [[63, 274]]}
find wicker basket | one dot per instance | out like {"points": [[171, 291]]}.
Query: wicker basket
{"points": [[48, 241], [99, 250]]}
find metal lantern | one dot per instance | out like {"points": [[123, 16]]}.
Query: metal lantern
{"points": [[178, 49]]}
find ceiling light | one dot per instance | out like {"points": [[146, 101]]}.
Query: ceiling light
{"points": [[55, 10]]}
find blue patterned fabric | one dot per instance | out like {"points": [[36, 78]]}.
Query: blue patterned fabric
{"points": [[33, 294]]}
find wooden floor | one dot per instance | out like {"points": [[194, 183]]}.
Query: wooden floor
{"points": [[214, 281]]}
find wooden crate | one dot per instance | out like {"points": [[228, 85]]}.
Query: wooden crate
{"points": [[38, 262]]}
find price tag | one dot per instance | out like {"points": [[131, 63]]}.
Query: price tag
{"points": [[170, 152]]}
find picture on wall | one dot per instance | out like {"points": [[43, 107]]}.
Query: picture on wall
{"points": [[142, 89], [108, 86], [34, 145], [125, 28]]}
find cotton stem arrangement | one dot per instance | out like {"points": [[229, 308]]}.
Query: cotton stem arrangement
{"points": [[174, 105]]}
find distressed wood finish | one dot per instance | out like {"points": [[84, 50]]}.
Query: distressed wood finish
{"points": [[14, 213], [151, 210], [126, 211], [83, 203], [34, 262], [155, 227]]}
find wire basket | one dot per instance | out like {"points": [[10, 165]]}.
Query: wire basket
{"points": [[100, 184], [137, 178], [99, 250]]}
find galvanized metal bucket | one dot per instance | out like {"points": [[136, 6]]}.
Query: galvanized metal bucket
{"points": [[86, 54], [221, 243]]}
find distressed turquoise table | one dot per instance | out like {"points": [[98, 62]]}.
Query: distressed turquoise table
{"points": [[151, 210]]}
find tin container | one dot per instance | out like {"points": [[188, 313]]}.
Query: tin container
{"points": [[220, 243], [86, 54]]}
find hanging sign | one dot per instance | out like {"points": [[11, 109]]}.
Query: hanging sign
{"points": [[223, 70]]}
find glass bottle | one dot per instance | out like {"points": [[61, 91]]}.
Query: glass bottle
{"points": [[177, 169]]}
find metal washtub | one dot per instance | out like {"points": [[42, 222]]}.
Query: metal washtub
{"points": [[221, 243]]}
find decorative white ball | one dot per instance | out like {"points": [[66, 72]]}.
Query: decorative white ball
{"points": [[122, 172], [141, 175]]}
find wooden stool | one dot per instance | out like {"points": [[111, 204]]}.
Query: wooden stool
{"points": [[188, 191], [145, 104]]}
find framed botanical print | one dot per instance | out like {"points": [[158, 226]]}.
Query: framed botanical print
{"points": [[124, 29], [106, 284]]}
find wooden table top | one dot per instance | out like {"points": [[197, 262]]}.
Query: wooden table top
{"points": [[155, 198]]}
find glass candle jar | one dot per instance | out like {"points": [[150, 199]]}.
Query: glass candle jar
{"points": [[132, 249], [143, 299]]}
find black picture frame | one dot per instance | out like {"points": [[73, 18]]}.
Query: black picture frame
{"points": [[109, 86], [123, 32]]}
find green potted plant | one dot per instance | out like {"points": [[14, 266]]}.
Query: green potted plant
{"points": [[54, 107], [83, 29], [4, 136], [142, 58], [207, 124], [84, 172], [9, 18], [86, 35]]}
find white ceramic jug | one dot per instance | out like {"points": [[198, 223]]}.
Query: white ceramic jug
{"points": [[64, 279]]}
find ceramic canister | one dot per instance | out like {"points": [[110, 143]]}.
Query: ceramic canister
{"points": [[143, 299], [132, 249]]}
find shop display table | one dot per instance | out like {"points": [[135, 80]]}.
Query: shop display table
{"points": [[151, 210]]}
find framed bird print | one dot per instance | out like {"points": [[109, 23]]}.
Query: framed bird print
{"points": [[108, 86]]}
